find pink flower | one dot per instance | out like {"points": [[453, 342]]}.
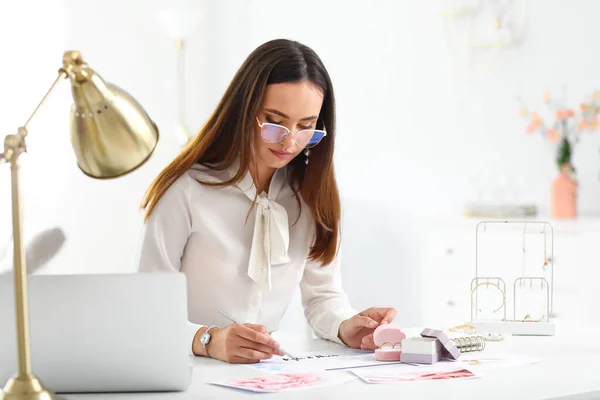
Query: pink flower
{"points": [[564, 114], [553, 135]]}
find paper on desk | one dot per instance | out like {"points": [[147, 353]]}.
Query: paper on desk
{"points": [[484, 361], [409, 372], [467, 366], [286, 381], [317, 361]]}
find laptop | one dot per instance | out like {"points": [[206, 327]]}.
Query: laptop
{"points": [[101, 333]]}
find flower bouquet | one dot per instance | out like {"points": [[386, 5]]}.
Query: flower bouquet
{"points": [[564, 127]]}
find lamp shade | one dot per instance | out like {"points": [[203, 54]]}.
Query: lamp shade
{"points": [[111, 134]]}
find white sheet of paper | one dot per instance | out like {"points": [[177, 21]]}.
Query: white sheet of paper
{"points": [[340, 359], [285, 381], [485, 361], [408, 372], [478, 363]]}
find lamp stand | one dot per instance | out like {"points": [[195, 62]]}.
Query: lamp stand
{"points": [[24, 385], [111, 135], [182, 133]]}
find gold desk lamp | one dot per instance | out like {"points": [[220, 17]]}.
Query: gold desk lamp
{"points": [[111, 135]]}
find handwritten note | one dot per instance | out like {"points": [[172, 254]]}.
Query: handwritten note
{"points": [[319, 362], [310, 357], [286, 381]]}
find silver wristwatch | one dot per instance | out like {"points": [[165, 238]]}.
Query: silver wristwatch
{"points": [[205, 338]]}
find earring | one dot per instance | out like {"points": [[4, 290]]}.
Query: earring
{"points": [[545, 266], [307, 154], [524, 254]]}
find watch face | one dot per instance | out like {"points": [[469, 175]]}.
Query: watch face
{"points": [[205, 338]]}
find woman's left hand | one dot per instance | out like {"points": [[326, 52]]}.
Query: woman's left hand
{"points": [[357, 332]]}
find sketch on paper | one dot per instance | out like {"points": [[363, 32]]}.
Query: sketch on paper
{"points": [[287, 381]]}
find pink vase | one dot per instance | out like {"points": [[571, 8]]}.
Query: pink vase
{"points": [[564, 195]]}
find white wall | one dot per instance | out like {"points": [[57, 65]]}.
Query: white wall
{"points": [[415, 130], [31, 45]]}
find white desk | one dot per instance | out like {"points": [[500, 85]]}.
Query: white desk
{"points": [[568, 369]]}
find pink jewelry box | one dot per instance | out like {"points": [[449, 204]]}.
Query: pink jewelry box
{"points": [[388, 338]]}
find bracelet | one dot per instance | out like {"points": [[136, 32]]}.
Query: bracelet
{"points": [[493, 285], [468, 329]]}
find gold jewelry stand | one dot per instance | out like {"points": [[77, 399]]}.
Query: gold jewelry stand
{"points": [[111, 136]]}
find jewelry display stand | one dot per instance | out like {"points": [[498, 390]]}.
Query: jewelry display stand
{"points": [[512, 291]]}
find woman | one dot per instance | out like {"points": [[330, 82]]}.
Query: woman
{"points": [[250, 210]]}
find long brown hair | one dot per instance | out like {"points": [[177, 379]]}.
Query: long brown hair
{"points": [[227, 137]]}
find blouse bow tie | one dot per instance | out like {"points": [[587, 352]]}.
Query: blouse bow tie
{"points": [[271, 240]]}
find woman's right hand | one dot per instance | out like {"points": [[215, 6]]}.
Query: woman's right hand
{"points": [[242, 344]]}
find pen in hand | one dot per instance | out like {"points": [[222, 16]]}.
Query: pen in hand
{"points": [[287, 353]]}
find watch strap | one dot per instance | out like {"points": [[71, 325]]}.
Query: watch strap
{"points": [[206, 332]]}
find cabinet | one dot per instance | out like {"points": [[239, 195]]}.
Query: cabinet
{"points": [[449, 266]]}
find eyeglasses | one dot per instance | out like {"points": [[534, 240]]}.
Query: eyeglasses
{"points": [[305, 138]]}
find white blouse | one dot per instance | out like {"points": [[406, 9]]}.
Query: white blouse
{"points": [[246, 265]]}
